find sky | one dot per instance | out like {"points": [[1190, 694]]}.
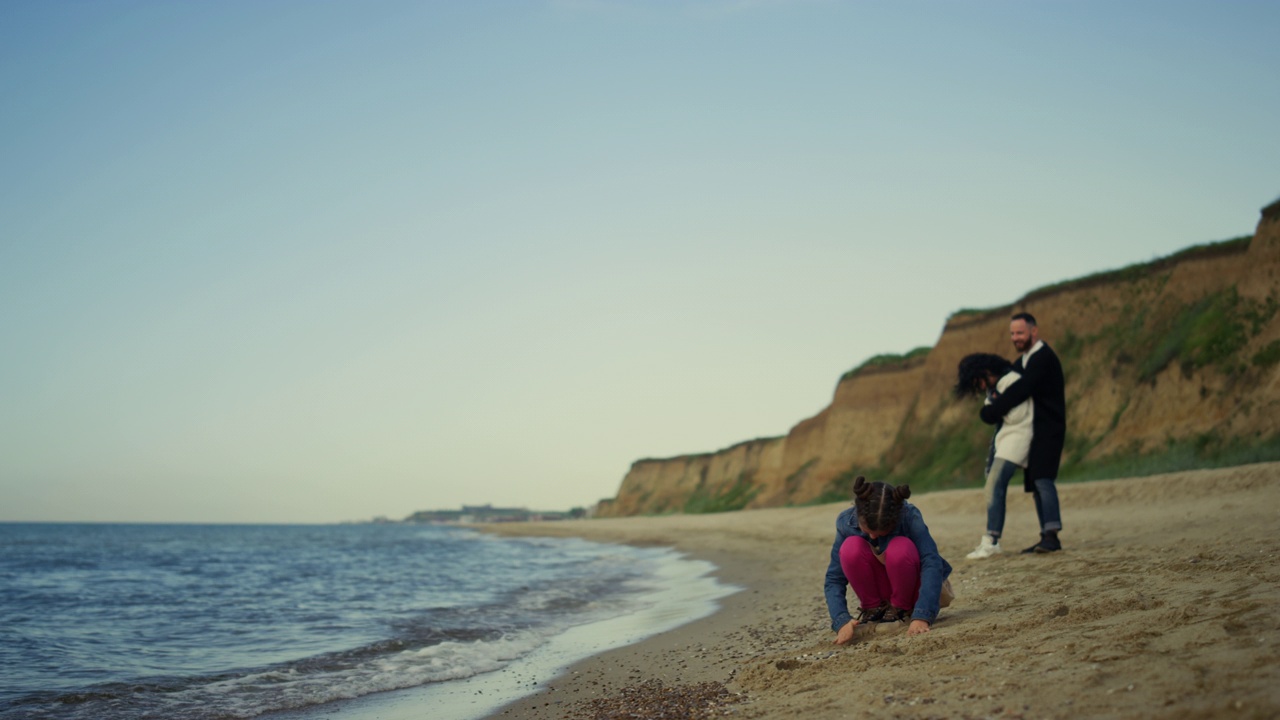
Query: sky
{"points": [[310, 262]]}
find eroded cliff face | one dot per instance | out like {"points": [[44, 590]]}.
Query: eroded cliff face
{"points": [[1180, 348]]}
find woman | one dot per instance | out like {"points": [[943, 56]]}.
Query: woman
{"points": [[1010, 446]]}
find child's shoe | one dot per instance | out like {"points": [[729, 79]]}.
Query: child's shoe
{"points": [[889, 621], [988, 547], [872, 615], [896, 615]]}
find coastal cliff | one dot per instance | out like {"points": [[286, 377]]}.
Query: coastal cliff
{"points": [[1169, 364]]}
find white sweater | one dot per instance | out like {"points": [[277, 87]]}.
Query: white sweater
{"points": [[1013, 440]]}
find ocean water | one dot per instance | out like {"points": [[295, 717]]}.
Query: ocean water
{"points": [[197, 622]]}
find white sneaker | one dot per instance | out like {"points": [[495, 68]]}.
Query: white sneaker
{"points": [[985, 549]]}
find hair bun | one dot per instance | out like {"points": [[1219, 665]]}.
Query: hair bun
{"points": [[861, 488], [902, 492]]}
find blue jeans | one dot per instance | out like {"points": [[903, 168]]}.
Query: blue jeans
{"points": [[997, 488], [1046, 496]]}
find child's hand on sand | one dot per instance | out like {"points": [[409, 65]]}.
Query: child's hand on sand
{"points": [[845, 635], [917, 627]]}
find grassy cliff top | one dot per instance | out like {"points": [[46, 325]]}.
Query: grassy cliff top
{"points": [[1126, 273]]}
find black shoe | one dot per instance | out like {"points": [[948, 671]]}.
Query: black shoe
{"points": [[1049, 543]]}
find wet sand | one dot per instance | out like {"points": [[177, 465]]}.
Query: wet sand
{"points": [[1164, 603]]}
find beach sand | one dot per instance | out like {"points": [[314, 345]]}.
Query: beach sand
{"points": [[1163, 604]]}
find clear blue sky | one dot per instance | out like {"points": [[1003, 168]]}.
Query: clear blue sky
{"points": [[316, 261]]}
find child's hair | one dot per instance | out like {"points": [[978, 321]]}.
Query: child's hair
{"points": [[879, 504], [975, 367]]}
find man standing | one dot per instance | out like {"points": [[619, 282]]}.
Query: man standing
{"points": [[1041, 381]]}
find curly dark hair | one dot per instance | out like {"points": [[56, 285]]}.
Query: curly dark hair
{"points": [[879, 505], [975, 367]]}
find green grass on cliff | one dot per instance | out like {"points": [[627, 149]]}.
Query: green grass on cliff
{"points": [[1211, 331], [1126, 274], [936, 457], [1267, 356], [1209, 450], [1138, 271], [736, 497], [885, 360]]}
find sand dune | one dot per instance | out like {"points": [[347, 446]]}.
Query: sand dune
{"points": [[1163, 604]]}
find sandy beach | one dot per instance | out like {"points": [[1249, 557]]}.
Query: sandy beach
{"points": [[1162, 604]]}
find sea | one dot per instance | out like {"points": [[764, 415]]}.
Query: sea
{"points": [[205, 622]]}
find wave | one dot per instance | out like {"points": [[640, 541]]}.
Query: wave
{"points": [[401, 645], [378, 667]]}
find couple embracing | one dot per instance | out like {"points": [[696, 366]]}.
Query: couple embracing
{"points": [[1026, 402]]}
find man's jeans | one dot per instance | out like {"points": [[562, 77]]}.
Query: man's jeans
{"points": [[1046, 495]]}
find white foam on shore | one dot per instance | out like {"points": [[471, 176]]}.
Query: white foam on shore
{"points": [[681, 590]]}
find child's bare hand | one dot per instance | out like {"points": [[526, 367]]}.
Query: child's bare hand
{"points": [[917, 627], [845, 635]]}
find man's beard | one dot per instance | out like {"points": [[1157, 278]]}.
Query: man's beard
{"points": [[1022, 345]]}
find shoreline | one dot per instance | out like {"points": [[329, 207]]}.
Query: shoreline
{"points": [[678, 587], [705, 650], [1164, 603]]}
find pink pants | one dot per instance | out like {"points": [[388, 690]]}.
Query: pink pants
{"points": [[895, 577]]}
